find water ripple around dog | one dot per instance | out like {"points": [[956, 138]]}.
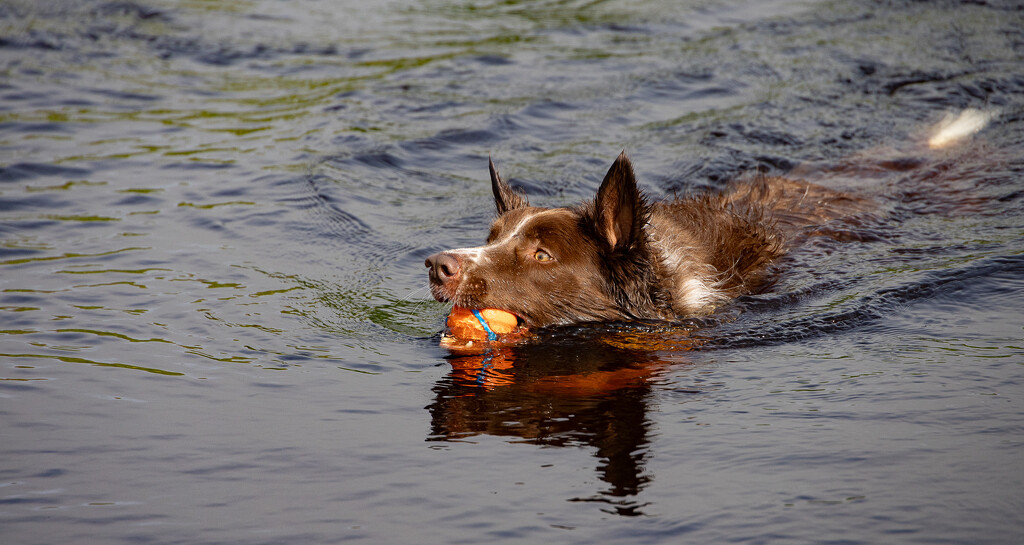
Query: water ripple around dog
{"points": [[844, 315]]}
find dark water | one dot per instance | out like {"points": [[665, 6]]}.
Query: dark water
{"points": [[214, 326]]}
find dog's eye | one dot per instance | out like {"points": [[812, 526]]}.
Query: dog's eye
{"points": [[542, 256]]}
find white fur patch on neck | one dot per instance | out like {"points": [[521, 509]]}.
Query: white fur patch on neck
{"points": [[697, 295]]}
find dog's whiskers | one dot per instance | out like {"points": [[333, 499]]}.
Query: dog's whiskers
{"points": [[416, 294]]}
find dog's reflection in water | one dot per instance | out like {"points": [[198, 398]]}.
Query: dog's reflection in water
{"points": [[594, 393]]}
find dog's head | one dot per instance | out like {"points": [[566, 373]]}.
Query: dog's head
{"points": [[555, 265]]}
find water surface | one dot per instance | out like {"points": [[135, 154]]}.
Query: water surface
{"points": [[214, 326]]}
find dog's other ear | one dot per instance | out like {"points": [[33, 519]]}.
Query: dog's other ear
{"points": [[620, 210], [505, 198]]}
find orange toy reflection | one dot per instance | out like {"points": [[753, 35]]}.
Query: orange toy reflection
{"points": [[495, 368]]}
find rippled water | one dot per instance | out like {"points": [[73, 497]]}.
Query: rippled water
{"points": [[214, 326]]}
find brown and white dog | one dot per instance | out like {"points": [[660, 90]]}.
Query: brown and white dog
{"points": [[622, 258]]}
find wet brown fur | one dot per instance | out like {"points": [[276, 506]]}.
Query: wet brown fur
{"points": [[621, 257]]}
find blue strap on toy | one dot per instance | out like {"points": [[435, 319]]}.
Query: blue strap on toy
{"points": [[491, 336]]}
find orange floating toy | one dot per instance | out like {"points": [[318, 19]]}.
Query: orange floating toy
{"points": [[480, 324]]}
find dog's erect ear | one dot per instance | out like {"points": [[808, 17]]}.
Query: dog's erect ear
{"points": [[620, 210], [504, 197]]}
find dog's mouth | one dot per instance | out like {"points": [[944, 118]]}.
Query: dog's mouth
{"points": [[521, 321]]}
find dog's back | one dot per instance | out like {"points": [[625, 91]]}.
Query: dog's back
{"points": [[718, 246]]}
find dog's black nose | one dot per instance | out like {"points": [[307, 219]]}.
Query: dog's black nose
{"points": [[444, 267]]}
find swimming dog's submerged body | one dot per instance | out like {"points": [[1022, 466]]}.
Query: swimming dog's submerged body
{"points": [[620, 257]]}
